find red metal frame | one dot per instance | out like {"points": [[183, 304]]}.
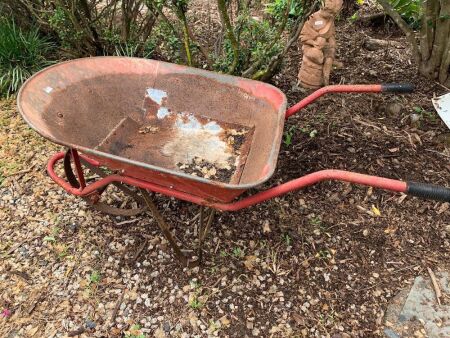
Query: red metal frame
{"points": [[299, 183], [333, 89], [296, 184]]}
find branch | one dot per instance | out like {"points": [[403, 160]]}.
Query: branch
{"points": [[276, 60], [251, 70], [404, 27], [234, 44], [180, 11]]}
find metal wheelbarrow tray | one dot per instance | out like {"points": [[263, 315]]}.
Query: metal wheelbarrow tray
{"points": [[183, 132], [193, 131]]}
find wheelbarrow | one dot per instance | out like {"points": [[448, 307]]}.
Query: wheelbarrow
{"points": [[182, 132]]}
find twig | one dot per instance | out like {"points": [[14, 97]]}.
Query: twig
{"points": [[437, 290], [139, 251], [403, 26], [437, 152], [14, 248], [20, 172], [76, 332], [366, 124], [440, 84], [21, 274], [116, 308], [128, 221]]}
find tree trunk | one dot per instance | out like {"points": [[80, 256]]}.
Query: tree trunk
{"points": [[432, 53], [435, 40]]}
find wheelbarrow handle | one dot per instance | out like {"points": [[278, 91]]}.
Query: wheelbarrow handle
{"points": [[421, 190], [428, 191], [377, 88]]}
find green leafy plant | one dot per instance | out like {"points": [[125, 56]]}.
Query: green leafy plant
{"points": [[324, 254], [134, 332], [287, 239], [194, 299], [424, 114], [257, 40], [50, 239], [277, 8], [408, 9], [237, 252], [195, 303], [22, 53], [316, 221], [94, 277], [289, 134]]}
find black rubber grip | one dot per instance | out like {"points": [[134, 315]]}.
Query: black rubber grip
{"points": [[428, 191], [397, 87]]}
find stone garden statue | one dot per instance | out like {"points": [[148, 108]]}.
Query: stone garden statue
{"points": [[319, 46]]}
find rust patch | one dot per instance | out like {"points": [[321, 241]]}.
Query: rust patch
{"points": [[182, 141]]}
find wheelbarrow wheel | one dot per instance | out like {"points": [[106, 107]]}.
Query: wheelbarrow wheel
{"points": [[94, 200]]}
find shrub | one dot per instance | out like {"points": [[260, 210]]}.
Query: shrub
{"points": [[89, 27], [408, 9], [257, 41], [21, 55]]}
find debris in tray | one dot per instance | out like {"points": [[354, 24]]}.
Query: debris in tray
{"points": [[148, 129], [201, 168], [236, 138]]}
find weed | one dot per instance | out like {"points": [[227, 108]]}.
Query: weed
{"points": [[424, 114], [195, 304], [237, 252], [308, 132], [50, 239], [289, 134], [317, 221], [287, 240], [194, 301], [94, 277], [134, 332], [326, 254]]}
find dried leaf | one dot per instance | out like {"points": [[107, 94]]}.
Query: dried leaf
{"points": [[266, 227], [376, 211], [249, 262]]}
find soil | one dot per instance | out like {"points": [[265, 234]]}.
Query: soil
{"points": [[322, 262]]}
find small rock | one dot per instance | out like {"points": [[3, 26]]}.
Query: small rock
{"points": [[159, 333], [166, 327], [266, 227], [394, 108], [414, 118], [90, 324]]}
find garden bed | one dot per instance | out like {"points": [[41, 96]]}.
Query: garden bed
{"points": [[321, 262]]}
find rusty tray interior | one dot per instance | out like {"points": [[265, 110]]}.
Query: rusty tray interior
{"points": [[164, 117]]}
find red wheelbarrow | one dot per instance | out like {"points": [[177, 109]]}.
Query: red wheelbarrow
{"points": [[178, 131]]}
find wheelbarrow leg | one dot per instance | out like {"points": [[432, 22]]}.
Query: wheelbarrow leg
{"points": [[93, 200], [204, 230], [184, 260]]}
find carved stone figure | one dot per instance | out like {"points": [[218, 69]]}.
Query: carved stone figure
{"points": [[319, 45]]}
